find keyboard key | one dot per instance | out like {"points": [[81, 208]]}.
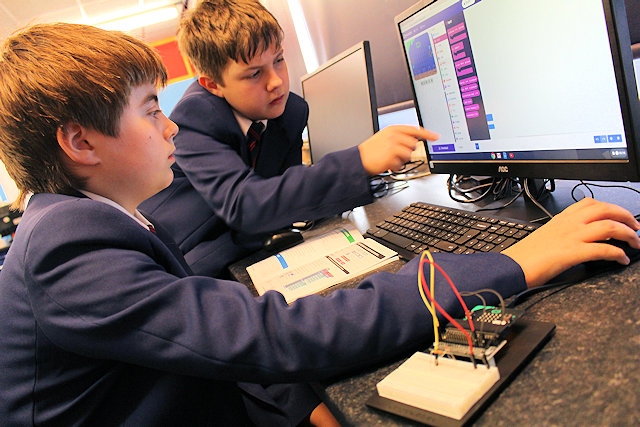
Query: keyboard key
{"points": [[422, 226], [504, 245], [397, 240], [446, 246]]}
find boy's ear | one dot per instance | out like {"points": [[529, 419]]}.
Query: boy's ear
{"points": [[211, 86], [72, 139]]}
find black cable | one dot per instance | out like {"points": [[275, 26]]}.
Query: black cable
{"points": [[534, 199], [499, 188], [453, 184], [525, 295], [573, 276], [408, 167], [588, 186], [380, 187], [487, 290], [504, 205]]}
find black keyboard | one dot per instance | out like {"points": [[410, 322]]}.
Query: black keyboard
{"points": [[423, 226]]}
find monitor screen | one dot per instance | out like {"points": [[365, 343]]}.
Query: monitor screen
{"points": [[636, 64], [342, 102], [539, 89], [8, 189]]}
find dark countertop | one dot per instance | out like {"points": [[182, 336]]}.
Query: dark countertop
{"points": [[588, 373]]}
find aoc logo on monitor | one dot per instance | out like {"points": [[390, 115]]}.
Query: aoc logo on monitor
{"points": [[503, 169]]}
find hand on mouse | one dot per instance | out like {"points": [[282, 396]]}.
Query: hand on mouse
{"points": [[391, 147], [574, 236]]}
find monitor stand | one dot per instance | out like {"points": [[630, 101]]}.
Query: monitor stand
{"points": [[537, 189]]}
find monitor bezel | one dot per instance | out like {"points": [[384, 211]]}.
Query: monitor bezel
{"points": [[598, 170], [365, 47]]}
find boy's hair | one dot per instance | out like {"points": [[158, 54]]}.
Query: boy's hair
{"points": [[216, 31], [55, 74]]}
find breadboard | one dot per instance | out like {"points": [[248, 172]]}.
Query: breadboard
{"points": [[449, 388], [525, 339]]}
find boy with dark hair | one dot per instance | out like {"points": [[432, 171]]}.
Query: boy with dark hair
{"points": [[226, 197], [100, 321]]}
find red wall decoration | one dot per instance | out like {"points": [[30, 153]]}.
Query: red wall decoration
{"points": [[178, 67]]}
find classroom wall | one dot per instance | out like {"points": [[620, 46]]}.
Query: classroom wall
{"points": [[336, 25]]}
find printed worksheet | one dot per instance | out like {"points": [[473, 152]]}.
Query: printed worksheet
{"points": [[319, 263]]}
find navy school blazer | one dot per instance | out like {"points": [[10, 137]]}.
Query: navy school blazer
{"points": [[218, 209], [101, 324]]}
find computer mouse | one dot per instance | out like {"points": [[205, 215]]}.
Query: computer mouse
{"points": [[600, 266], [582, 272], [302, 225], [282, 240]]}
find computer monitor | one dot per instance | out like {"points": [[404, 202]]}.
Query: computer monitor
{"points": [[342, 102], [520, 88], [8, 189], [636, 63]]}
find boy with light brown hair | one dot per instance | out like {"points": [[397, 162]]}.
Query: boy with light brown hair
{"points": [[102, 323], [231, 197]]}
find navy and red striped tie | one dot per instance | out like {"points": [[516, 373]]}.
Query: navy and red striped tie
{"points": [[253, 141]]}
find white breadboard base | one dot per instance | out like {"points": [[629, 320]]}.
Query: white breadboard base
{"points": [[449, 388]]}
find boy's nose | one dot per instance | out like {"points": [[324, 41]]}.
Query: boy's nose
{"points": [[172, 129], [275, 81]]}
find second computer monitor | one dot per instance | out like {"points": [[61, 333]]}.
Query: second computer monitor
{"points": [[342, 102]]}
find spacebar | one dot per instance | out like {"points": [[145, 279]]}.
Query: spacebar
{"points": [[397, 240]]}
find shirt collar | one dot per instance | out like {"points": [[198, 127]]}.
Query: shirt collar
{"points": [[138, 217], [246, 123]]}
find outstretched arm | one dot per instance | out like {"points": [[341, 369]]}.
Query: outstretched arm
{"points": [[391, 147], [575, 236]]}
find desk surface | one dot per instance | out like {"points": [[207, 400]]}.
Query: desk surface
{"points": [[587, 374]]}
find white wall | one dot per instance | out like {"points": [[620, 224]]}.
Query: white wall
{"points": [[336, 25]]}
